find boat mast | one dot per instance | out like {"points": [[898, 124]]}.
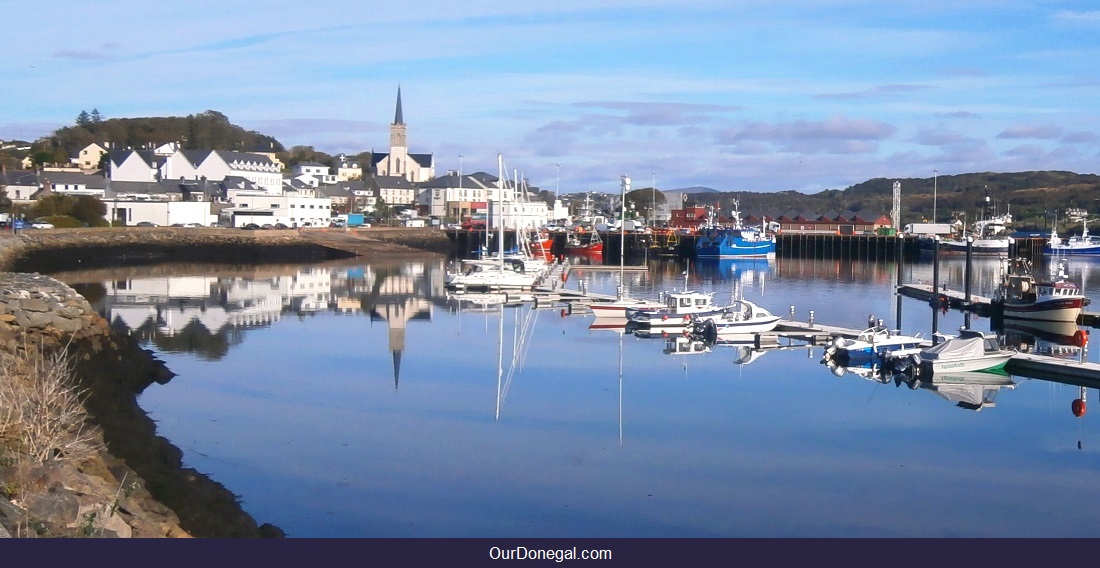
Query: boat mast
{"points": [[624, 184], [500, 208]]}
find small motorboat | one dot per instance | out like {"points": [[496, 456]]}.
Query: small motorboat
{"points": [[740, 317], [971, 350], [871, 343]]}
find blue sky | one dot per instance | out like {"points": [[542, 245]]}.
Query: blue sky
{"points": [[734, 95]]}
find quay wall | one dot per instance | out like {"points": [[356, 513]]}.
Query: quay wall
{"points": [[788, 245]]}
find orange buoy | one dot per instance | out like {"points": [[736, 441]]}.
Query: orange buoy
{"points": [[563, 312], [1080, 338], [1078, 407], [664, 333], [664, 317]]}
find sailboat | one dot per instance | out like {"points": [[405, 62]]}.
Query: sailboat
{"points": [[501, 272], [618, 307]]}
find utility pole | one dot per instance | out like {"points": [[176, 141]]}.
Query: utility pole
{"points": [[895, 212], [935, 178]]}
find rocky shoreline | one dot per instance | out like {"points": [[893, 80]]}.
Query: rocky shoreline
{"points": [[135, 485]]}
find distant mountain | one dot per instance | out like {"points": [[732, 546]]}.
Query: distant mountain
{"points": [[1033, 198], [696, 189]]}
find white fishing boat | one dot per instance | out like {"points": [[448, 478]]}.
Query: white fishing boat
{"points": [[1022, 297], [677, 312], [1077, 245], [987, 237]]}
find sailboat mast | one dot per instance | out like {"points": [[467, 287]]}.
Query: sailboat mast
{"points": [[500, 207], [624, 183]]}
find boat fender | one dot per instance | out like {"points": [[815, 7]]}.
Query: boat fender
{"points": [[664, 317], [1078, 407], [1080, 338]]}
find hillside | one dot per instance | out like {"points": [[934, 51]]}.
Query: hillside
{"points": [[1033, 198]]}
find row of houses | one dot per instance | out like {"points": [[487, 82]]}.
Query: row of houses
{"points": [[303, 198]]}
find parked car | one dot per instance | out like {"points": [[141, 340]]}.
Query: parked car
{"points": [[250, 227], [37, 224], [145, 224], [281, 226]]}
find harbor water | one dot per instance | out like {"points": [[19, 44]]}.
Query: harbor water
{"points": [[362, 400]]}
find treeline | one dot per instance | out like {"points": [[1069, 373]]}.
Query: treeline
{"points": [[210, 130]]}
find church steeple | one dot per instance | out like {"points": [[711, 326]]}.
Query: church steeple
{"points": [[399, 149], [397, 118]]}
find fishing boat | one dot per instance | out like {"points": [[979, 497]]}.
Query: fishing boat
{"points": [[870, 344], [665, 242], [1083, 244], [971, 350], [581, 241], [987, 237], [1025, 298], [736, 241], [678, 309]]}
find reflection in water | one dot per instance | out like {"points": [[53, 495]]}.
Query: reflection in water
{"points": [[207, 314]]}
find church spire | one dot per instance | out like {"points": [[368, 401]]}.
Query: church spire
{"points": [[397, 118]]}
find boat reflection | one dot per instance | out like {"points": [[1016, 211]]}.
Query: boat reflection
{"points": [[973, 390]]}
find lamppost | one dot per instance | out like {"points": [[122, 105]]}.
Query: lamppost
{"points": [[935, 180], [458, 210]]}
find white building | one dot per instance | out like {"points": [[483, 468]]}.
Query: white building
{"points": [[161, 212], [291, 210], [212, 165]]}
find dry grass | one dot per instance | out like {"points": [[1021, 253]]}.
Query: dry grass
{"points": [[42, 415]]}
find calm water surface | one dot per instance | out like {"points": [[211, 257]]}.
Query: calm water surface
{"points": [[361, 401]]}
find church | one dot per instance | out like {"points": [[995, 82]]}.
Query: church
{"points": [[415, 168]]}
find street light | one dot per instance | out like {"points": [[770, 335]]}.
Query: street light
{"points": [[935, 179]]}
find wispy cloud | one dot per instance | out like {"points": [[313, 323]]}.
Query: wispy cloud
{"points": [[875, 92], [106, 51], [1048, 132]]}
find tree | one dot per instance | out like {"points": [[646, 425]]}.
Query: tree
{"points": [[84, 120], [95, 116], [382, 210], [88, 209]]}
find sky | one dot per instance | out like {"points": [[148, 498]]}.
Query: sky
{"points": [[755, 95]]}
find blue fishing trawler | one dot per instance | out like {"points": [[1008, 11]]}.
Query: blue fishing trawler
{"points": [[736, 241]]}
